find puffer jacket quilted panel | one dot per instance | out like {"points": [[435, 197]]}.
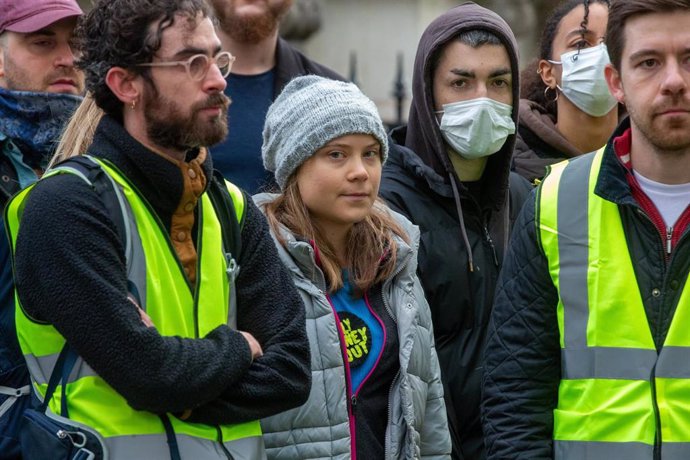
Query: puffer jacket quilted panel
{"points": [[417, 426]]}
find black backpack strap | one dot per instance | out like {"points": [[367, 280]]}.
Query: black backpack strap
{"points": [[102, 185], [170, 437], [225, 210], [63, 367]]}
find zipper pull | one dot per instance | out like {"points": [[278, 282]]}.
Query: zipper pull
{"points": [[353, 402], [669, 237], [491, 244]]}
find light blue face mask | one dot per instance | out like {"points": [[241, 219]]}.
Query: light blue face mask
{"points": [[476, 128], [583, 82]]}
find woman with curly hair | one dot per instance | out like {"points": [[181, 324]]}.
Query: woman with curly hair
{"points": [[567, 109]]}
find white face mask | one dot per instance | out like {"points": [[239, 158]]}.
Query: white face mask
{"points": [[476, 128], [583, 81]]}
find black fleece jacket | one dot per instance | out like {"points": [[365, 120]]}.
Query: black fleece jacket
{"points": [[70, 273]]}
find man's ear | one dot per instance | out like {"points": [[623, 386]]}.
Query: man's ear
{"points": [[546, 70], [615, 83], [125, 85]]}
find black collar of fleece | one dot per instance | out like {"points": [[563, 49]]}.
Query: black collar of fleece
{"points": [[159, 180]]}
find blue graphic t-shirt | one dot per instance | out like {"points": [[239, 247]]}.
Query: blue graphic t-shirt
{"points": [[239, 156], [362, 330]]}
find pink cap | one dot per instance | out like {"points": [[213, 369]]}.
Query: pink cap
{"points": [[26, 16]]}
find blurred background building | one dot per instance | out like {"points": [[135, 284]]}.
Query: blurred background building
{"points": [[373, 42]]}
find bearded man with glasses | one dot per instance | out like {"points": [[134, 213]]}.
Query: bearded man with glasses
{"points": [[182, 340]]}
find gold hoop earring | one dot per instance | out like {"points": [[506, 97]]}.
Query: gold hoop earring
{"points": [[546, 97]]}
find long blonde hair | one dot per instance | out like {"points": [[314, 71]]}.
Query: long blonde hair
{"points": [[371, 251], [78, 134]]}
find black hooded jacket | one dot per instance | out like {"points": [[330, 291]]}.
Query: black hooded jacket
{"points": [[464, 227], [539, 144]]}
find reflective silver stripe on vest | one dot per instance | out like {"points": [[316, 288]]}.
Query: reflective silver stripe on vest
{"points": [[40, 368], [578, 360], [134, 251], [156, 447], [608, 363], [573, 249], [673, 363], [675, 451], [590, 450]]}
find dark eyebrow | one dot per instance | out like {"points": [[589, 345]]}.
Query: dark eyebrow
{"points": [[641, 53], [500, 73], [651, 52], [191, 51], [579, 32], [470, 74], [41, 33], [463, 73]]}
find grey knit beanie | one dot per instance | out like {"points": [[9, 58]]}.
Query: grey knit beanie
{"points": [[309, 113]]}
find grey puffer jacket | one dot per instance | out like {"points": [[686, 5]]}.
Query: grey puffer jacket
{"points": [[417, 423]]}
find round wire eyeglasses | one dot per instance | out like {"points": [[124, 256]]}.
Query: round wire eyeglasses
{"points": [[197, 66]]}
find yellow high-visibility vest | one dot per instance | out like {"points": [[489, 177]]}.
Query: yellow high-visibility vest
{"points": [[618, 398], [174, 309]]}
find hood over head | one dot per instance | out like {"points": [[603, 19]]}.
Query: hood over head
{"points": [[423, 132]]}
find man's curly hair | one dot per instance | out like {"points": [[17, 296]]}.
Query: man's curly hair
{"points": [[119, 33]]}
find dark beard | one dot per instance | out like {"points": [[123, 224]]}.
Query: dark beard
{"points": [[168, 128], [252, 29]]}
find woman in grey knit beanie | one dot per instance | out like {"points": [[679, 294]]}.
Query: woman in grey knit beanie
{"points": [[310, 112], [376, 388]]}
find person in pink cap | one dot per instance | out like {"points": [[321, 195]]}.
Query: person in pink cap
{"points": [[36, 43], [39, 90]]}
